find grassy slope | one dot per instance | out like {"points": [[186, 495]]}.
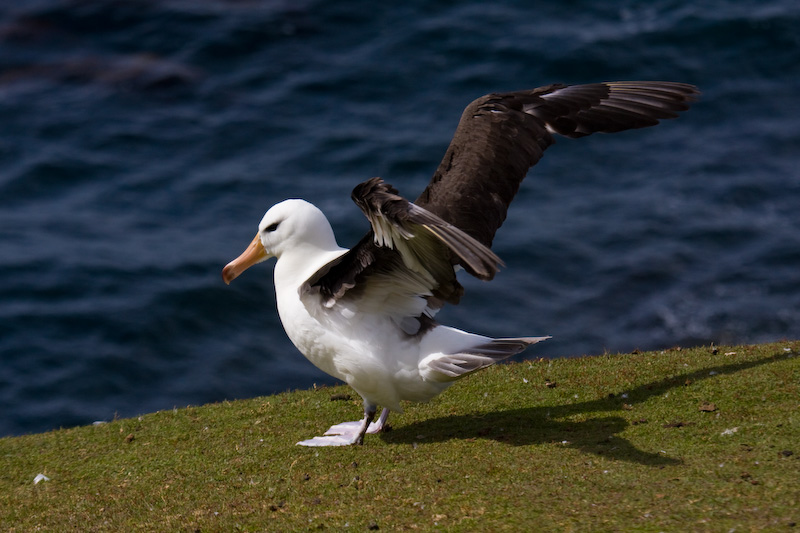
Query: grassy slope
{"points": [[618, 444]]}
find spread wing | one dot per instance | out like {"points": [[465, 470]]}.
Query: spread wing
{"points": [[404, 265], [500, 136]]}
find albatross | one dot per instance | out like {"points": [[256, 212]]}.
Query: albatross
{"points": [[366, 315]]}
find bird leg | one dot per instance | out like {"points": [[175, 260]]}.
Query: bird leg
{"points": [[348, 433], [377, 427]]}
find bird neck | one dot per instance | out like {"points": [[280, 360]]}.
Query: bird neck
{"points": [[296, 265]]}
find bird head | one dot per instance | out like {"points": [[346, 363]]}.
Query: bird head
{"points": [[291, 224]]}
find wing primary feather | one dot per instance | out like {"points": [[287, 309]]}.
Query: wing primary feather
{"points": [[502, 135]]}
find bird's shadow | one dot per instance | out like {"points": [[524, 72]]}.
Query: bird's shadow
{"points": [[551, 424]]}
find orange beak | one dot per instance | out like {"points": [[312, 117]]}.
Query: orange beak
{"points": [[255, 253]]}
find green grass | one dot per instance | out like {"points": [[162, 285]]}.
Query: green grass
{"points": [[613, 443]]}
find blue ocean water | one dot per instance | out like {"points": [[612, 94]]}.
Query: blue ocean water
{"points": [[142, 140]]}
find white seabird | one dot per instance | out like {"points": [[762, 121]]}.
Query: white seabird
{"points": [[366, 315]]}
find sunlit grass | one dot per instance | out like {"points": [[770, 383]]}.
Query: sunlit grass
{"points": [[606, 443]]}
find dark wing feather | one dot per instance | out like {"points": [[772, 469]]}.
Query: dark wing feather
{"points": [[342, 274], [500, 136]]}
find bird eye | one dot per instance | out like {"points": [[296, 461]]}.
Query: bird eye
{"points": [[271, 227]]}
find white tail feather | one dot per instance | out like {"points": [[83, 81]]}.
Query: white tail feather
{"points": [[449, 367]]}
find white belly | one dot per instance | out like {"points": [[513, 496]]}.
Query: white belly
{"points": [[368, 352]]}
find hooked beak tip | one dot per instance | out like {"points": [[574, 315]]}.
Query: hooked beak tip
{"points": [[254, 253], [229, 274]]}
